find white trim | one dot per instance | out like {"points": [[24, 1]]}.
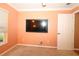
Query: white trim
{"points": [[74, 22], [8, 50], [37, 46], [43, 9], [75, 11], [47, 9], [76, 48], [2, 43], [2, 9]]}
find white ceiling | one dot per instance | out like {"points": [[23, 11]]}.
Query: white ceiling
{"points": [[38, 6]]}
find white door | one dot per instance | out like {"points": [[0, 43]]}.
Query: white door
{"points": [[65, 39]]}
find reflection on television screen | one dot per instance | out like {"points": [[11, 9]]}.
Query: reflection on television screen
{"points": [[36, 25]]}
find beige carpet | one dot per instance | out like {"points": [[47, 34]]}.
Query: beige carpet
{"points": [[38, 51]]}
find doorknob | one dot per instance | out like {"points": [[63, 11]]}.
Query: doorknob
{"points": [[58, 33]]}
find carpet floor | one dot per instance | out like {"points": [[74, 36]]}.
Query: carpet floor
{"points": [[39, 51]]}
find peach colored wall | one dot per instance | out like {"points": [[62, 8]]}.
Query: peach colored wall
{"points": [[12, 27], [35, 38], [48, 39]]}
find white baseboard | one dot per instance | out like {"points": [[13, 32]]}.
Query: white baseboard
{"points": [[31, 46], [76, 48], [37, 45], [8, 50]]}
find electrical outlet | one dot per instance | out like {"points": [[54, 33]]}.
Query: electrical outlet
{"points": [[41, 42]]}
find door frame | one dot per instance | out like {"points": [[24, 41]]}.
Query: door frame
{"points": [[74, 22]]}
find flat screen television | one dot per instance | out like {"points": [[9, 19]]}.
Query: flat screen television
{"points": [[37, 25]]}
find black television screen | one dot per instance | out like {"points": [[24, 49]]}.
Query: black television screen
{"points": [[36, 25]]}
